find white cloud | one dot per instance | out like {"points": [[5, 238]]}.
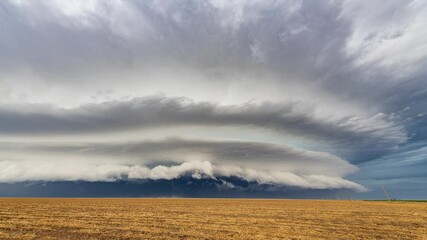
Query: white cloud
{"points": [[173, 158], [390, 35], [121, 18], [28, 171], [263, 156]]}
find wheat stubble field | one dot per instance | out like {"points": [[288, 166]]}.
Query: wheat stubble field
{"points": [[210, 219]]}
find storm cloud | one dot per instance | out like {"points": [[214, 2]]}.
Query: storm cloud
{"points": [[289, 93], [173, 158], [377, 133]]}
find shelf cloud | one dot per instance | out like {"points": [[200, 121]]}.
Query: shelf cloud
{"points": [[308, 94], [373, 133], [174, 158]]}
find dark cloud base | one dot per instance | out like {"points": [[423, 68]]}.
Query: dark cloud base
{"points": [[182, 187]]}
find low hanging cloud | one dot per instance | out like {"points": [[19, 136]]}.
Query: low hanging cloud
{"points": [[375, 133], [258, 162], [23, 172], [255, 155]]}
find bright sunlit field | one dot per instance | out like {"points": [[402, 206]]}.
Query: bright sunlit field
{"points": [[210, 219]]}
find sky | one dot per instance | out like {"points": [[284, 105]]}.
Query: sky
{"points": [[213, 98]]}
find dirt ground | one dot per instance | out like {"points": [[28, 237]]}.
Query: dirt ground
{"points": [[210, 219]]}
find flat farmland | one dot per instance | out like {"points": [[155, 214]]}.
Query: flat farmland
{"points": [[210, 219]]}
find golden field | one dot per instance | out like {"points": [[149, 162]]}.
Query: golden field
{"points": [[210, 219]]}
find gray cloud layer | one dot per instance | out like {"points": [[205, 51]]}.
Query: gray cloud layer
{"points": [[368, 134]]}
